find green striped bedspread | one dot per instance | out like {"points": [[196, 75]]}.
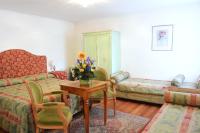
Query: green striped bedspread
{"points": [[15, 110], [143, 86]]}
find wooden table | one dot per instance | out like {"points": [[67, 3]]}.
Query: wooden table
{"points": [[74, 87]]}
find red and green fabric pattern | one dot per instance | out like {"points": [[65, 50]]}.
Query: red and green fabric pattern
{"points": [[3, 82], [60, 74], [20, 80], [173, 118], [182, 98], [17, 63], [12, 81], [36, 77], [15, 109], [143, 86], [180, 114]]}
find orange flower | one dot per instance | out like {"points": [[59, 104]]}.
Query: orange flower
{"points": [[81, 55]]}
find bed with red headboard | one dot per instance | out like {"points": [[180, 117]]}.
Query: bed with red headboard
{"points": [[16, 67], [17, 63]]}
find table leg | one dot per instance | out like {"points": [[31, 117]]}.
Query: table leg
{"points": [[86, 114], [105, 107], [65, 98]]}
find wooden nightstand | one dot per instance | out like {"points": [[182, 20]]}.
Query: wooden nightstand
{"points": [[60, 74]]}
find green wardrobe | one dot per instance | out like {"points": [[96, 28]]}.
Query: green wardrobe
{"points": [[104, 47]]}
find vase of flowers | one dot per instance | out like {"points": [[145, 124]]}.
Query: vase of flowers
{"points": [[84, 69]]}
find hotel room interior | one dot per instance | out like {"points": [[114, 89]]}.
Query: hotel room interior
{"points": [[99, 66]]}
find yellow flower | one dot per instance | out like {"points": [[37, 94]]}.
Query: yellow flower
{"points": [[84, 65], [81, 70], [81, 55]]}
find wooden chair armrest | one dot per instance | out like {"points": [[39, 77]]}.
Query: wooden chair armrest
{"points": [[47, 105], [113, 81], [186, 90], [53, 92], [108, 82], [113, 85], [54, 104]]}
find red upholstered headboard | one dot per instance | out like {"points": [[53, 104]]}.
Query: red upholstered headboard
{"points": [[17, 62]]}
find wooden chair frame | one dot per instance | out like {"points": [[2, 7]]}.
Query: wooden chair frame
{"points": [[56, 105], [112, 86]]}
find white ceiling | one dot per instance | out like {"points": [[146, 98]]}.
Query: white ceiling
{"points": [[61, 9]]}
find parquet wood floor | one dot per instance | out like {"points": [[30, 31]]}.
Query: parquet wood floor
{"points": [[135, 108]]}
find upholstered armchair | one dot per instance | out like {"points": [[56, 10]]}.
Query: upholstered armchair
{"points": [[50, 115], [101, 74]]}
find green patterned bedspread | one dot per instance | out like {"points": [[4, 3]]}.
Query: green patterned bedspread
{"points": [[143, 86], [173, 118], [15, 109]]}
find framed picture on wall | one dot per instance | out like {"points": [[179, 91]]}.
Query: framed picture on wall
{"points": [[162, 38]]}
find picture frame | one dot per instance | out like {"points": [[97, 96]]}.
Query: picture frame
{"points": [[162, 38]]}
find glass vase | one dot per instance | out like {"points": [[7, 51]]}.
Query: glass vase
{"points": [[85, 82]]}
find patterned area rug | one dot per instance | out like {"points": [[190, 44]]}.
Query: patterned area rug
{"points": [[121, 123]]}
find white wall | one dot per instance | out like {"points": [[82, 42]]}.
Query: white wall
{"points": [[136, 34], [39, 35]]}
